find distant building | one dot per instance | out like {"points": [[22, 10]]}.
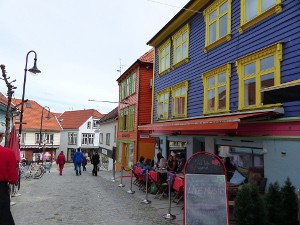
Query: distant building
{"points": [[79, 132], [40, 136]]}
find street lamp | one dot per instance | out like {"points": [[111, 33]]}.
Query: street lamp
{"points": [[33, 70], [48, 117]]}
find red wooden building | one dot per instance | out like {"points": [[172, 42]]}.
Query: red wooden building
{"points": [[135, 95]]}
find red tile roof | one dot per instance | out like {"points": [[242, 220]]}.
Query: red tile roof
{"points": [[3, 99], [74, 119], [148, 56], [32, 116]]}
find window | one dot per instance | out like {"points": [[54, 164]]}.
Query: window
{"points": [[23, 138], [164, 57], [127, 86], [254, 11], [39, 138], [133, 77], [72, 138], [122, 90], [218, 23], [88, 125], [119, 155], [95, 124], [179, 103], [123, 124], [28, 105], [87, 139], [49, 138], [163, 104], [216, 90], [181, 46], [131, 118], [107, 139], [101, 138], [257, 71], [130, 155]]}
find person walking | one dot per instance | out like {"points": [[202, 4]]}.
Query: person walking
{"points": [[61, 160], [77, 159], [84, 162], [95, 161], [8, 175]]}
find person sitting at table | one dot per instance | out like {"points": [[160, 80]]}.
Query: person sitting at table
{"points": [[147, 165], [161, 161], [230, 168], [172, 163], [141, 162], [181, 161]]}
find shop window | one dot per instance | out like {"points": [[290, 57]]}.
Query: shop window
{"points": [[216, 90], [254, 11], [218, 23], [130, 155], [257, 71]]}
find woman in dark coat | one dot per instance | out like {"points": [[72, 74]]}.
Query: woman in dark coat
{"points": [[95, 161]]}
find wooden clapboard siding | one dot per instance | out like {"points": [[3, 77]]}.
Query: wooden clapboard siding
{"points": [[283, 26]]}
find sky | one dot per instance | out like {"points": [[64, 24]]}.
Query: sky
{"points": [[80, 45]]}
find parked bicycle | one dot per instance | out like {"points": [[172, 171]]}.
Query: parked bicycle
{"points": [[31, 171]]}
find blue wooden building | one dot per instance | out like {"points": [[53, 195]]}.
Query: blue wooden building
{"points": [[214, 63]]}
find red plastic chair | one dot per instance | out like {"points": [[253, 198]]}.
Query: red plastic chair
{"points": [[178, 186]]}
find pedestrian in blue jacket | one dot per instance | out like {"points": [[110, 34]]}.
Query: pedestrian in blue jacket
{"points": [[77, 160]]}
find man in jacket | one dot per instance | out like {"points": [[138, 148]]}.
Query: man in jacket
{"points": [[8, 174], [95, 161], [61, 160], [77, 160]]}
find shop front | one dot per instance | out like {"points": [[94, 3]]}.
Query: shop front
{"points": [[125, 154]]}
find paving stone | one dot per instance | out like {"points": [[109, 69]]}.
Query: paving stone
{"points": [[87, 200]]}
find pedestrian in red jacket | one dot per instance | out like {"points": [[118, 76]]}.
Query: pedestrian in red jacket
{"points": [[8, 174], [61, 160]]}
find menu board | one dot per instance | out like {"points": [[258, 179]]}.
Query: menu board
{"points": [[204, 163], [205, 199]]}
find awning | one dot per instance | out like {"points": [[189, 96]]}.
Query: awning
{"points": [[212, 123], [36, 146], [286, 92]]}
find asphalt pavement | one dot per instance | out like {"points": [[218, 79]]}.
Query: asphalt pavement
{"points": [[88, 200]]}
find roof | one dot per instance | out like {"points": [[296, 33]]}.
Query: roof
{"points": [[32, 116], [3, 99], [148, 57], [111, 116], [74, 119]]}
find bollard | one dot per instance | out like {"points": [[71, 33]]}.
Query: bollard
{"points": [[146, 201], [121, 185], [113, 179], [169, 215], [131, 191]]}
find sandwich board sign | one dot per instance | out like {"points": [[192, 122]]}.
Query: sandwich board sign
{"points": [[205, 190]]}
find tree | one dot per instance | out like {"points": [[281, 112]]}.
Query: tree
{"points": [[249, 207], [289, 203], [273, 199]]}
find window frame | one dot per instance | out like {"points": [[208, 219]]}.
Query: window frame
{"points": [[173, 90], [161, 56], [206, 13], [121, 120], [88, 125], [184, 29], [107, 139], [131, 118], [49, 138], [165, 115], [23, 138], [39, 138], [273, 50], [277, 8], [214, 73], [100, 138], [133, 81]]}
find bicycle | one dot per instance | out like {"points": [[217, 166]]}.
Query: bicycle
{"points": [[33, 171]]}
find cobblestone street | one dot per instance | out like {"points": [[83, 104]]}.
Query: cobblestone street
{"points": [[86, 199]]}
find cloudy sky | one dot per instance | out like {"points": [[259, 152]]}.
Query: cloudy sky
{"points": [[80, 45]]}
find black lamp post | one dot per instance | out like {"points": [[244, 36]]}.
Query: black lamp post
{"points": [[33, 70], [48, 117]]}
